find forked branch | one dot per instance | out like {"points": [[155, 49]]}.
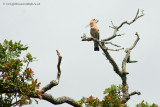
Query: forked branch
{"points": [[126, 95], [49, 97], [127, 56], [116, 28]]}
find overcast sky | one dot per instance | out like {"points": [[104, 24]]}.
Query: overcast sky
{"points": [[59, 24]]}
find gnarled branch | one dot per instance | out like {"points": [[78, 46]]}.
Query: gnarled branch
{"points": [[54, 82], [59, 100]]}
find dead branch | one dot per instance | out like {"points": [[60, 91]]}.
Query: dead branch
{"points": [[54, 82], [135, 92], [112, 44], [85, 38], [111, 60], [116, 28], [58, 66], [60, 100], [127, 56], [126, 95], [116, 49]]}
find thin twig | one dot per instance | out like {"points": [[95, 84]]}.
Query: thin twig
{"points": [[116, 28], [112, 44], [116, 49]]}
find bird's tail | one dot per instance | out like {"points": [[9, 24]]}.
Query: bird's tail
{"points": [[96, 48]]}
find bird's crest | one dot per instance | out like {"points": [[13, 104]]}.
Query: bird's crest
{"points": [[92, 22]]}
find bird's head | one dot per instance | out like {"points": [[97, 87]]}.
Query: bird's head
{"points": [[93, 22]]}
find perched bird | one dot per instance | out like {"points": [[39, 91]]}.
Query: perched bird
{"points": [[94, 31]]}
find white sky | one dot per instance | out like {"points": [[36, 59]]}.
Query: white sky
{"points": [[59, 24]]}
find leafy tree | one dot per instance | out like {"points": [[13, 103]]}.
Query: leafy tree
{"points": [[113, 96], [142, 104], [16, 82]]}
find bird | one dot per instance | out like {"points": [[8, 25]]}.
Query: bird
{"points": [[94, 31]]}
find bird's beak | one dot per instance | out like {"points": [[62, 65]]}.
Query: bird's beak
{"points": [[97, 21], [87, 26]]}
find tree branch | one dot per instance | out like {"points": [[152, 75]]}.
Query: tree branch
{"points": [[116, 28], [58, 66], [112, 44], [85, 38], [111, 60], [116, 49], [127, 56], [135, 92], [54, 82], [59, 100], [126, 95], [105, 50]]}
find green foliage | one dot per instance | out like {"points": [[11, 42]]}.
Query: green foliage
{"points": [[16, 78], [113, 98], [142, 104]]}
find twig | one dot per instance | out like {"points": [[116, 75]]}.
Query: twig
{"points": [[116, 28], [112, 44], [116, 49], [27, 65], [129, 61], [85, 38], [135, 43]]}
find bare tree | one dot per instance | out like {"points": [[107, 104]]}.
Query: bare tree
{"points": [[121, 72]]}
